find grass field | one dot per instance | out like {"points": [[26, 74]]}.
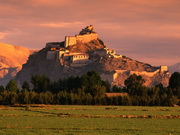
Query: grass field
{"points": [[92, 120]]}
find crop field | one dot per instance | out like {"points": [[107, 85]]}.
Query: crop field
{"points": [[89, 120]]}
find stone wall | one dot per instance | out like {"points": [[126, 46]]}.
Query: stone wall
{"points": [[144, 73], [117, 56], [69, 41], [107, 53], [86, 38], [61, 53], [163, 68]]}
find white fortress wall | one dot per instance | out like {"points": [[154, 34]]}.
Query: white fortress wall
{"points": [[122, 71], [61, 53], [69, 41], [144, 73]]}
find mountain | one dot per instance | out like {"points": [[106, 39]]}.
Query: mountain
{"points": [[11, 59], [174, 68], [84, 52]]}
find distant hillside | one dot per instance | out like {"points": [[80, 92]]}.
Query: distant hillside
{"points": [[174, 68], [11, 59]]}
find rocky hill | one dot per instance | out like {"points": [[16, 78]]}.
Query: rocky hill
{"points": [[11, 60], [85, 52], [174, 68]]}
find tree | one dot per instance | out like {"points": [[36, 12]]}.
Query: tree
{"points": [[41, 83], [12, 86], [73, 83], [174, 81], [98, 91], [107, 85], [25, 86], [90, 80], [115, 88], [9, 98], [134, 84], [58, 86], [134, 81], [2, 88]]}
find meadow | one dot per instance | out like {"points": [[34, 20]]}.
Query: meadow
{"points": [[89, 120]]}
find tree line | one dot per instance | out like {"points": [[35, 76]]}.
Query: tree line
{"points": [[90, 89]]}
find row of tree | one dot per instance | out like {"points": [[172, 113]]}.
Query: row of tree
{"points": [[90, 89], [62, 97]]}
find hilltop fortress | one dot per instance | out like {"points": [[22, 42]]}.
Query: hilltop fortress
{"points": [[61, 51], [84, 52]]}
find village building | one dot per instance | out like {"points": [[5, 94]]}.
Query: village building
{"points": [[79, 58]]}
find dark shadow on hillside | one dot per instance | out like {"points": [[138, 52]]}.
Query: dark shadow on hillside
{"points": [[8, 76]]}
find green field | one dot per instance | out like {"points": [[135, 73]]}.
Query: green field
{"points": [[92, 120]]}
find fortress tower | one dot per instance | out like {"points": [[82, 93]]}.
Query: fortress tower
{"points": [[85, 35]]}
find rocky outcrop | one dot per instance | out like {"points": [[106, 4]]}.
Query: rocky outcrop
{"points": [[87, 47]]}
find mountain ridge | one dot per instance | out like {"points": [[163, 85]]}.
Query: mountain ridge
{"points": [[174, 68], [12, 58]]}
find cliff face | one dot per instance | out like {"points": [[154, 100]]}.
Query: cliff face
{"points": [[11, 60], [82, 57]]}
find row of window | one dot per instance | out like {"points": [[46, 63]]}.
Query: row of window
{"points": [[80, 56]]}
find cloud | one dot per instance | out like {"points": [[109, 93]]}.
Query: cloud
{"points": [[60, 24], [3, 34]]}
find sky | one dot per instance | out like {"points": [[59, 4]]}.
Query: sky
{"points": [[144, 30]]}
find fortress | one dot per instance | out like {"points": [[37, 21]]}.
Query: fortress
{"points": [[86, 35], [60, 51]]}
